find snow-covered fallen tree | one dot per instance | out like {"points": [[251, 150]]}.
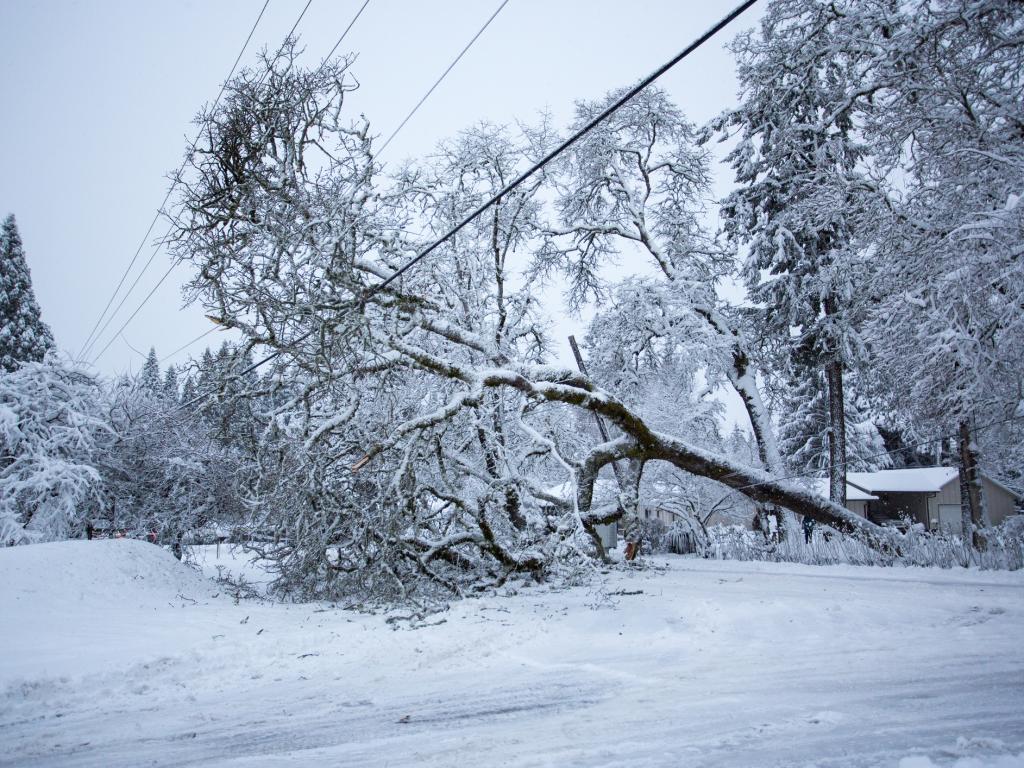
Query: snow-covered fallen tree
{"points": [[423, 423]]}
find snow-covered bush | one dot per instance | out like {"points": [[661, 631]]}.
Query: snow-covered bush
{"points": [[50, 422], [1002, 549], [162, 470], [686, 535], [653, 535]]}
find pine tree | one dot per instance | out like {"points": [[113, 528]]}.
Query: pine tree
{"points": [[171, 383], [149, 378], [800, 197], [188, 389], [24, 337], [804, 428]]}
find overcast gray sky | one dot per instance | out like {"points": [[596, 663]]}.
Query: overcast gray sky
{"points": [[98, 99]]}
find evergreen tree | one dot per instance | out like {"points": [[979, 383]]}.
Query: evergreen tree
{"points": [[188, 389], [803, 432], [171, 383], [801, 194], [24, 337], [949, 283], [149, 378]]}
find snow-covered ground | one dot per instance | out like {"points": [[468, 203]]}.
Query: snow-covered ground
{"points": [[113, 654]]}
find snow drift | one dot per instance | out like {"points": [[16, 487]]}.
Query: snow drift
{"points": [[93, 574]]}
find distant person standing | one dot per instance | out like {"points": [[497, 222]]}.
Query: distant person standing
{"points": [[808, 528]]}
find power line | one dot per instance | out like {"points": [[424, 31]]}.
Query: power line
{"points": [[167, 197], [604, 115], [138, 277], [724, 22], [345, 33], [441, 78], [133, 314], [188, 344], [157, 249]]}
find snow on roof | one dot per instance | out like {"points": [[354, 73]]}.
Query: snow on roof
{"points": [[916, 480], [820, 486]]}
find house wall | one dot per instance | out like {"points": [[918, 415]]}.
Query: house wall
{"points": [[857, 507], [1000, 503], [897, 506]]}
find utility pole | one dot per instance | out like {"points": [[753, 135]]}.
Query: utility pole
{"points": [[632, 548]]}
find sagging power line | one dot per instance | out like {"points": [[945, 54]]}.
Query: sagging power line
{"points": [[170, 190], [163, 278], [604, 115]]}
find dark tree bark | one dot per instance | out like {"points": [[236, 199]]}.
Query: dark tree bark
{"points": [[972, 496], [836, 434]]}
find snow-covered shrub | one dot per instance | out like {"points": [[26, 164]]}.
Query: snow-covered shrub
{"points": [[686, 536], [653, 535], [1002, 549], [49, 426], [162, 470]]}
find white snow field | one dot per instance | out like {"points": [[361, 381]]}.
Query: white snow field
{"points": [[114, 654]]}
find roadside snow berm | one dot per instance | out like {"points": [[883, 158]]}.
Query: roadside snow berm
{"points": [[120, 571]]}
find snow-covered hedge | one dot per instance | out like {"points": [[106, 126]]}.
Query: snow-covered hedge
{"points": [[1002, 548]]}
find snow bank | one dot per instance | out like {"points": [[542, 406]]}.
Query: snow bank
{"points": [[95, 573], [86, 606]]}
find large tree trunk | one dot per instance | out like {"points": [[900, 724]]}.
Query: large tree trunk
{"points": [[629, 501], [744, 382], [836, 434], [972, 494]]}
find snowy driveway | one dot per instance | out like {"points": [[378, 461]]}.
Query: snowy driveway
{"points": [[713, 664]]}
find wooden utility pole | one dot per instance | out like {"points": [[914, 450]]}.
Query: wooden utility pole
{"points": [[632, 547], [600, 422]]}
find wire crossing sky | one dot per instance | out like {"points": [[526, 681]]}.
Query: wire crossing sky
{"points": [[576, 136], [134, 76], [156, 216]]}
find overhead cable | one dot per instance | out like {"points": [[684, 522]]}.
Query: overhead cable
{"points": [[167, 197]]}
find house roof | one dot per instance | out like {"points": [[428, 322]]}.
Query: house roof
{"points": [[915, 480], [820, 486]]}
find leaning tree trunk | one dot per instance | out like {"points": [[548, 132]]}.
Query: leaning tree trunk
{"points": [[836, 434], [744, 382]]}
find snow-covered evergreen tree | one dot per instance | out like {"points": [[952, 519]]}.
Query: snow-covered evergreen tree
{"points": [[149, 376], [947, 324], [188, 389], [801, 196], [804, 428], [170, 385], [24, 337]]}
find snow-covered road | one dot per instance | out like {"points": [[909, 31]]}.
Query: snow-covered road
{"points": [[106, 661]]}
